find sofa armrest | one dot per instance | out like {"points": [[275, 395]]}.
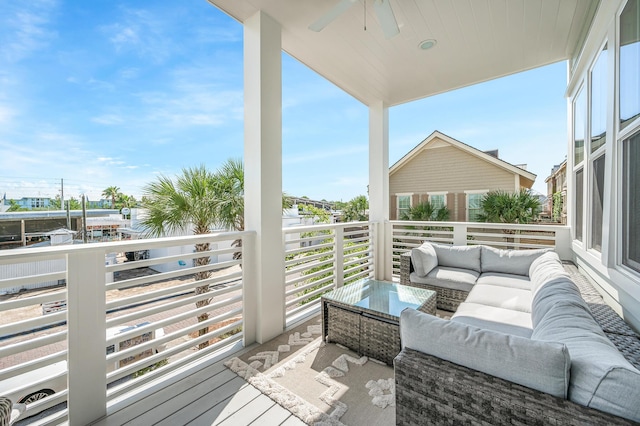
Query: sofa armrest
{"points": [[430, 390], [406, 268]]}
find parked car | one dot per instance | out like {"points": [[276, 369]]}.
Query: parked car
{"points": [[46, 381]]}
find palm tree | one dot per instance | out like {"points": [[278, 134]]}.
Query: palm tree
{"points": [[202, 200], [426, 211], [229, 189], [190, 201], [356, 209], [506, 207], [229, 198], [111, 192]]}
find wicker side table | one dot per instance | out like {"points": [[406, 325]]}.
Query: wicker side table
{"points": [[365, 316]]}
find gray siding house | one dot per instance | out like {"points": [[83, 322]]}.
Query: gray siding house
{"points": [[450, 173]]}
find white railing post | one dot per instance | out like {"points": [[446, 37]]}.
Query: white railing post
{"points": [[339, 253], [250, 289], [86, 328], [563, 242], [387, 229], [460, 234]]}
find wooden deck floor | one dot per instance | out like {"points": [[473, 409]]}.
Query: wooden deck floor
{"points": [[209, 395]]}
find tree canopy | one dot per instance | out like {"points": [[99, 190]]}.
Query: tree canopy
{"points": [[356, 209], [506, 207], [426, 211]]}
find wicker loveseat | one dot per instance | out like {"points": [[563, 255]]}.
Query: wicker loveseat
{"points": [[575, 362]]}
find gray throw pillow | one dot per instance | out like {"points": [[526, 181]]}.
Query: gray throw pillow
{"points": [[515, 262], [463, 257], [424, 259]]}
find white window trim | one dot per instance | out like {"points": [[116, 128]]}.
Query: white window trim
{"points": [[403, 194], [466, 200]]}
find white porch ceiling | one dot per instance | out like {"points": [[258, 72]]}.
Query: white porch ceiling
{"points": [[477, 40]]}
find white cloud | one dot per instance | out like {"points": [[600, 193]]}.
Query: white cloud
{"points": [[26, 28], [141, 32], [6, 114]]}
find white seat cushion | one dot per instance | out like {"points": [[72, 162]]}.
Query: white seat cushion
{"points": [[492, 318], [504, 280], [501, 297]]}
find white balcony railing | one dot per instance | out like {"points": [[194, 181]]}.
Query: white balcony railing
{"points": [[89, 289], [408, 234], [320, 258]]}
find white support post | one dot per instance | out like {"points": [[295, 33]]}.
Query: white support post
{"points": [[87, 336], [263, 169], [379, 187], [249, 290], [460, 234], [339, 251]]}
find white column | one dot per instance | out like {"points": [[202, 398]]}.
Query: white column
{"points": [[87, 336], [263, 169], [379, 187]]}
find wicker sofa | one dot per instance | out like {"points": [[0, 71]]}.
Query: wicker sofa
{"points": [[539, 349]]}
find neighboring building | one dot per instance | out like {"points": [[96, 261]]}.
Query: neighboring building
{"points": [[20, 228], [557, 184], [31, 203], [451, 174]]}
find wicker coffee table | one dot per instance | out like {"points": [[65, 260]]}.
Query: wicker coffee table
{"points": [[364, 316]]}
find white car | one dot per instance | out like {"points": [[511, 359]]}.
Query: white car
{"points": [[52, 378]]}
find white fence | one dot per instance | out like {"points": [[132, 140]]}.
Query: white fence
{"points": [[185, 322], [409, 234], [320, 258]]}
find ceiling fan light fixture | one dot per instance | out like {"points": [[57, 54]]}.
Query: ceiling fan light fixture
{"points": [[427, 44]]}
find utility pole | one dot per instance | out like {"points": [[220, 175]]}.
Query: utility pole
{"points": [[62, 193], [68, 205], [84, 219]]}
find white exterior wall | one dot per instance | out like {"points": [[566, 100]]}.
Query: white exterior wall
{"points": [[619, 285]]}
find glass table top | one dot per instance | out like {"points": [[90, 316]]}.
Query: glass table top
{"points": [[381, 296]]}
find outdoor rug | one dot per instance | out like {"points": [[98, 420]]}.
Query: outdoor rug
{"points": [[320, 383]]}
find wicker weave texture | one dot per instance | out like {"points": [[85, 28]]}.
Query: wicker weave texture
{"points": [[432, 391], [370, 333]]}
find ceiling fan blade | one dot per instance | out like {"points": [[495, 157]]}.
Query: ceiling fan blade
{"points": [[336, 11], [387, 18]]}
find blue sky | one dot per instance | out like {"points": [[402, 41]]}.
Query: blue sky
{"points": [[104, 93]]}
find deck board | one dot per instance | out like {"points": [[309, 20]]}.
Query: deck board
{"points": [[292, 421], [160, 395], [275, 415], [250, 412], [198, 394], [190, 405]]}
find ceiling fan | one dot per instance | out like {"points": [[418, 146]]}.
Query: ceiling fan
{"points": [[383, 11]]}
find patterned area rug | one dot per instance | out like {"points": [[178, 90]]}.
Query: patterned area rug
{"points": [[320, 383]]}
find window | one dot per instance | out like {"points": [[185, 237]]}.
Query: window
{"points": [[599, 101], [438, 201], [404, 204], [597, 203], [474, 206], [579, 107], [631, 202], [629, 60], [578, 206]]}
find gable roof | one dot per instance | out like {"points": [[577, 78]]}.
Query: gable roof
{"points": [[432, 139]]}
